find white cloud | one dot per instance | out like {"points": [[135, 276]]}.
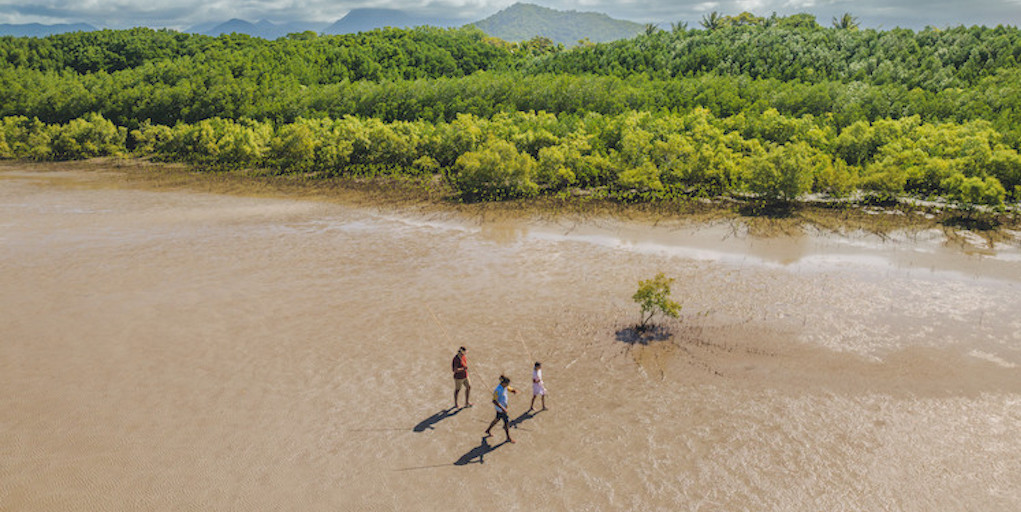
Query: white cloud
{"points": [[706, 6], [800, 4], [751, 5]]}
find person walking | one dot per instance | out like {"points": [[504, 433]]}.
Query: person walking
{"points": [[500, 402], [460, 367], [538, 386]]}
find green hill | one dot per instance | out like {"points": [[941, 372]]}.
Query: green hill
{"points": [[521, 22]]}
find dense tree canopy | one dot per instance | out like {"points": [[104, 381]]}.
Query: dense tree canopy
{"points": [[768, 106], [798, 48]]}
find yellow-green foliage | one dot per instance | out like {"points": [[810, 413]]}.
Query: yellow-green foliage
{"points": [[1005, 165], [835, 178], [294, 147], [497, 170], [520, 154], [5, 147], [786, 172], [645, 177], [919, 158], [556, 164], [25, 138], [311, 145], [653, 296], [151, 139], [220, 142], [971, 191], [426, 165], [87, 137], [451, 140]]}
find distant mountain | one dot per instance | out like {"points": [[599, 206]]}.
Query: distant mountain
{"points": [[363, 20], [38, 30], [515, 23], [202, 28], [520, 22], [262, 28]]}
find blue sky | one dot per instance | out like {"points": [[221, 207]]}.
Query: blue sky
{"points": [[181, 14]]}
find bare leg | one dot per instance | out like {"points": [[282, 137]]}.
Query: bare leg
{"points": [[544, 402], [491, 426], [506, 430], [467, 393], [457, 392], [532, 405]]}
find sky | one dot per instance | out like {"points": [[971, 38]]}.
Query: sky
{"points": [[181, 14]]}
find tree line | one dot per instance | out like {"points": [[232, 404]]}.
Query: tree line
{"points": [[798, 48], [633, 156], [167, 94], [382, 54], [776, 107]]}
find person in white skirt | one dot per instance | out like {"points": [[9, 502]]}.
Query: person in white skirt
{"points": [[538, 386]]}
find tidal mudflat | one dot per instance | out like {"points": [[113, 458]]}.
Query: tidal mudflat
{"points": [[183, 350]]}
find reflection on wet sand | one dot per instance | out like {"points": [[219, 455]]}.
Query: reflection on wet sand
{"points": [[182, 350]]}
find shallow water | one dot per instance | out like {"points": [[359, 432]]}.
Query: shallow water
{"points": [[182, 350]]}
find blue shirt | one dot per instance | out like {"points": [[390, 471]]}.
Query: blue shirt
{"points": [[500, 395]]}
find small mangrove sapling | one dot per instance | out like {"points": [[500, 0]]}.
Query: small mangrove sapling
{"points": [[653, 296]]}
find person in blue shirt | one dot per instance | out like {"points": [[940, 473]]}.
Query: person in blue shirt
{"points": [[500, 402]]}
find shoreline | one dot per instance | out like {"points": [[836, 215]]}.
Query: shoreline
{"points": [[402, 192], [810, 239]]}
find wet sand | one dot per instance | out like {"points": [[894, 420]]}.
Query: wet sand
{"points": [[175, 350]]}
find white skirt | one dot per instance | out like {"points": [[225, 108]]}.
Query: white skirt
{"points": [[538, 388]]}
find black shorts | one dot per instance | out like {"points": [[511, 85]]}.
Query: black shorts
{"points": [[500, 415]]}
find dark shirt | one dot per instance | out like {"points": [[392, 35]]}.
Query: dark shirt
{"points": [[460, 366]]}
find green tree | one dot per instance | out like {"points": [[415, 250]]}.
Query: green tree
{"points": [[294, 147], [679, 27], [653, 296], [643, 178], [798, 21], [973, 191], [307, 35], [557, 164], [496, 171], [87, 137], [1006, 167], [835, 178], [783, 173], [745, 19], [846, 22], [25, 138], [712, 21]]}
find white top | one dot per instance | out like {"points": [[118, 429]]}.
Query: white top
{"points": [[538, 387]]}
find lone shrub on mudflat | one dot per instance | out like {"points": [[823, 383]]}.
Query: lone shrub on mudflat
{"points": [[653, 296]]}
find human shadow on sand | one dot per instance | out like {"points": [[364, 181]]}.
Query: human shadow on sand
{"points": [[525, 416], [427, 424], [477, 455]]}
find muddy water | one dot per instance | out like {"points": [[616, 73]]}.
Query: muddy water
{"points": [[189, 351]]}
